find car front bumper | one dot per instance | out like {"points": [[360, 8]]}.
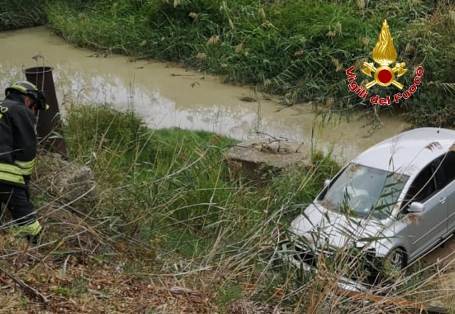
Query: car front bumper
{"points": [[300, 258]]}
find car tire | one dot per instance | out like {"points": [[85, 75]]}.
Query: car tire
{"points": [[393, 265], [397, 259]]}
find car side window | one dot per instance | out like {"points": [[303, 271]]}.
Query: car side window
{"points": [[422, 187], [445, 171], [433, 178]]}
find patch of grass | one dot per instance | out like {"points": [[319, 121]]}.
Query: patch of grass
{"points": [[21, 13], [228, 293], [172, 186], [431, 42]]}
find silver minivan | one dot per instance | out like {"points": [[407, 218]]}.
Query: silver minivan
{"points": [[396, 200]]}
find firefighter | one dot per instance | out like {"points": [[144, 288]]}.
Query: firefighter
{"points": [[17, 155]]}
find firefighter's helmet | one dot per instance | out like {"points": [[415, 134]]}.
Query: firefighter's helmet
{"points": [[29, 89]]}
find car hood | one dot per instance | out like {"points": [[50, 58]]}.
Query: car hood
{"points": [[321, 227]]}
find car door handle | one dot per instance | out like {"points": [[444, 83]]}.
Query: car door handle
{"points": [[442, 200]]}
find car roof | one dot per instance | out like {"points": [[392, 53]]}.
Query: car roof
{"points": [[408, 152]]}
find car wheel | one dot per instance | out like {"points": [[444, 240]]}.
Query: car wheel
{"points": [[397, 258], [394, 263]]}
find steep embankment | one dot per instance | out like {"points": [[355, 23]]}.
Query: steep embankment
{"points": [[297, 49]]}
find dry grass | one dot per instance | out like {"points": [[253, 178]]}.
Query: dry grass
{"points": [[97, 259]]}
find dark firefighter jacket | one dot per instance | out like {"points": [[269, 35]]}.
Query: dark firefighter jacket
{"points": [[17, 141]]}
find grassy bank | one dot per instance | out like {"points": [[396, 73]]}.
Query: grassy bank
{"points": [[297, 49], [21, 13], [173, 231], [168, 214], [170, 196], [171, 191]]}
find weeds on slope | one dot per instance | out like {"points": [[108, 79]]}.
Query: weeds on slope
{"points": [[171, 191], [172, 230]]}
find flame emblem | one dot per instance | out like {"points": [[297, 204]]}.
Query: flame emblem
{"points": [[384, 54]]}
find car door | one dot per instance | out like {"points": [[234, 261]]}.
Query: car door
{"points": [[445, 178], [432, 224], [425, 229], [449, 198]]}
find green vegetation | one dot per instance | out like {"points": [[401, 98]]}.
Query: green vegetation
{"points": [[21, 13], [177, 182], [168, 194], [297, 49], [169, 213], [434, 44], [172, 191]]}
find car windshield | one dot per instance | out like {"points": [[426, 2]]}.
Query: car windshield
{"points": [[364, 191]]}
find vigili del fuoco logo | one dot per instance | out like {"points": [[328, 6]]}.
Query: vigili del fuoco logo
{"points": [[385, 71]]}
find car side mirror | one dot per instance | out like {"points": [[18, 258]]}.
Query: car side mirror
{"points": [[327, 182], [416, 208]]}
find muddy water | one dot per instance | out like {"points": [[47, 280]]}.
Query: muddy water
{"points": [[166, 95]]}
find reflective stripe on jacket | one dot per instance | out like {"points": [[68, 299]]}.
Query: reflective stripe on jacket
{"points": [[17, 140]]}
